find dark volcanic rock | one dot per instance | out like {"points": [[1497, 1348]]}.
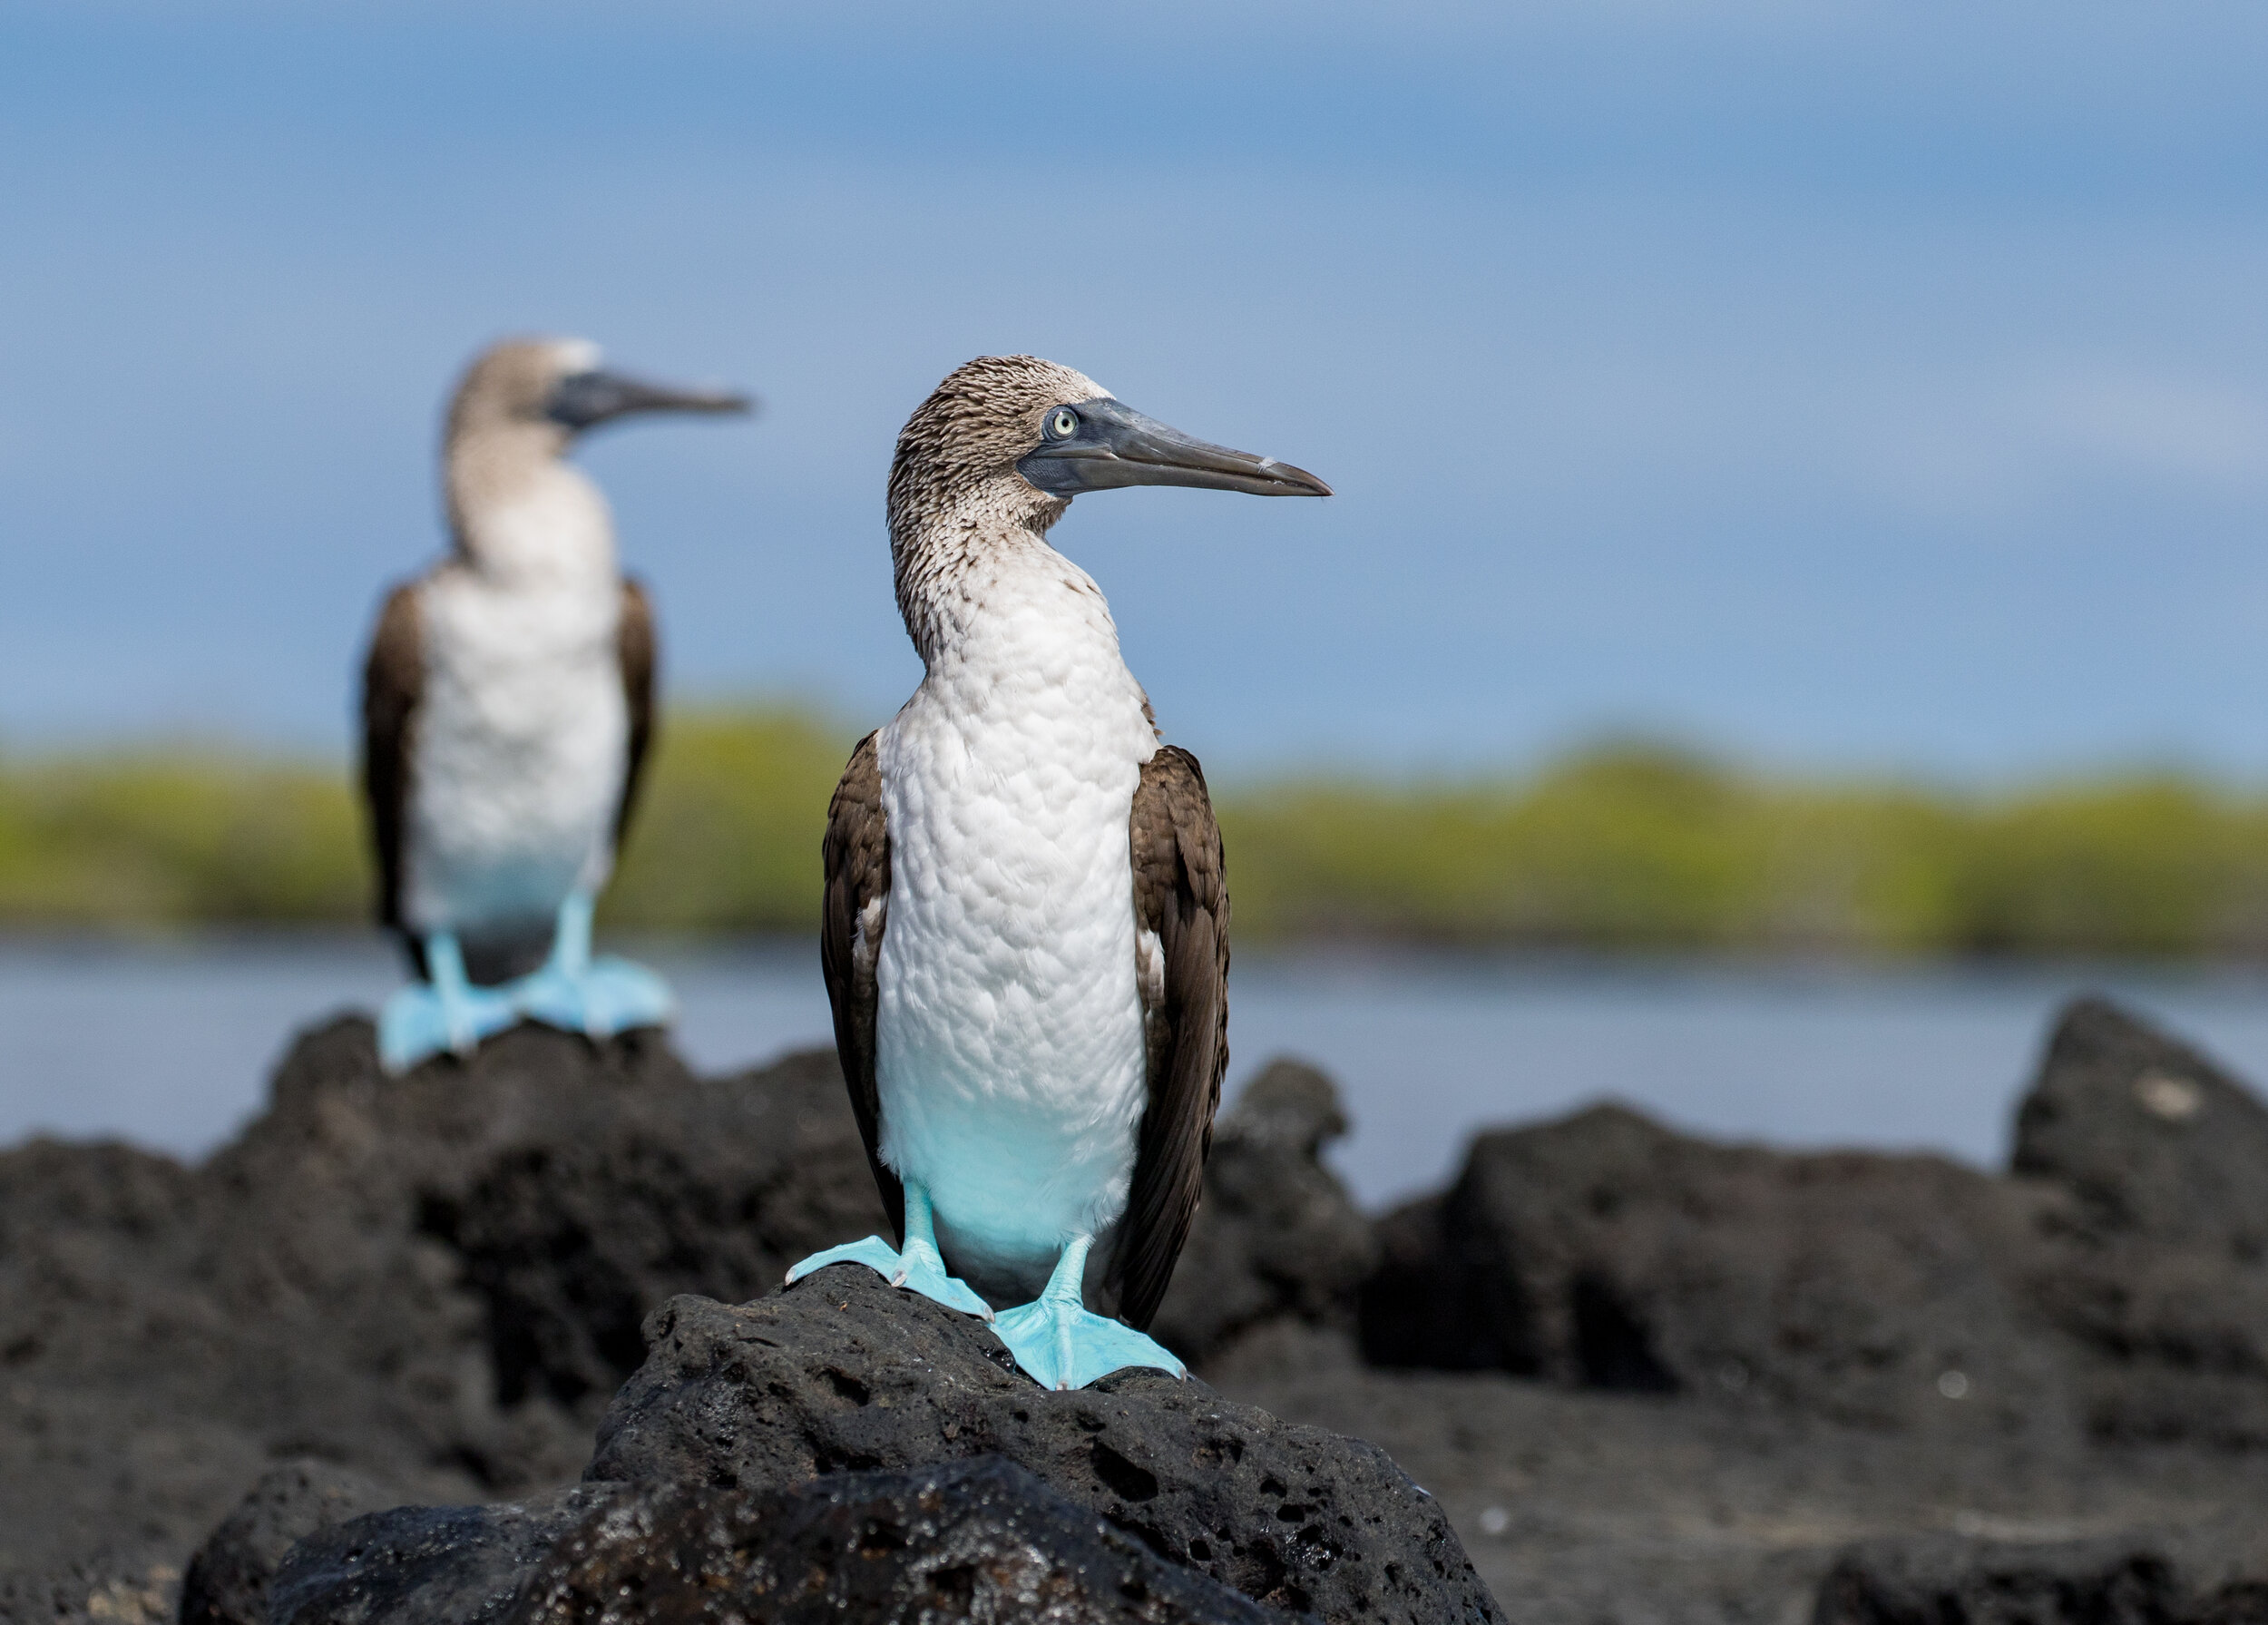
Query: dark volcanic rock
{"points": [[1948, 1580], [437, 1281], [975, 1539], [840, 1372], [1606, 1251], [227, 1580], [2156, 1264], [2208, 1574], [1748, 1358], [464, 1565], [1277, 1240], [434, 1280], [2151, 1137], [571, 1238], [840, 1450], [2118, 1285]]}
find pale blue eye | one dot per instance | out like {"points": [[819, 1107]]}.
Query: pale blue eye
{"points": [[1062, 424]]}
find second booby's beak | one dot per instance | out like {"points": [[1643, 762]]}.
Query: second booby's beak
{"points": [[583, 400], [1098, 444]]}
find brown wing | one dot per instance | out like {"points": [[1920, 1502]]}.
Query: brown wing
{"points": [[634, 640], [392, 682], [857, 908], [1180, 895]]}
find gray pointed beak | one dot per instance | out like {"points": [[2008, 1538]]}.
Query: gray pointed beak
{"points": [[1109, 445], [584, 400]]}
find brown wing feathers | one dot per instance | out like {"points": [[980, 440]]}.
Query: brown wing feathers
{"points": [[856, 853], [634, 638], [393, 680], [1181, 894]]}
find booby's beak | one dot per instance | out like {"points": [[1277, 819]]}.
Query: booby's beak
{"points": [[583, 400], [1095, 446]]}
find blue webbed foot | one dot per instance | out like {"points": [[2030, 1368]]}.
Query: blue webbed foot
{"points": [[918, 1268], [1061, 1344], [424, 1020], [605, 996]]}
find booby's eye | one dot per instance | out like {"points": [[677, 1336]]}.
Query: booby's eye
{"points": [[1062, 424]]}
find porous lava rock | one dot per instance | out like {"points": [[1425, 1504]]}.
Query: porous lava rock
{"points": [[840, 1372], [1946, 1580], [2214, 1573], [977, 1540], [1745, 1357], [2155, 1263], [2152, 1136], [425, 1565], [227, 1580], [434, 1281], [1603, 1251], [2113, 1285], [973, 1540], [840, 1450]]}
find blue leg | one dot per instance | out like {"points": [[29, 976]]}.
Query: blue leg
{"points": [[444, 1013], [579, 994], [920, 1267], [1061, 1345]]}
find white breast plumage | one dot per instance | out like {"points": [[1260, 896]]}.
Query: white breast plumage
{"points": [[519, 744], [1009, 1060]]}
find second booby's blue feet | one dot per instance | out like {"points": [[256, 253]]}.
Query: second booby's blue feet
{"points": [[918, 1267], [445, 1013], [596, 997], [608, 997], [1061, 1343]]}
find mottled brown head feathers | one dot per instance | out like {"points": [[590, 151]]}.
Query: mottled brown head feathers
{"points": [[500, 429], [971, 430], [511, 383], [955, 496]]}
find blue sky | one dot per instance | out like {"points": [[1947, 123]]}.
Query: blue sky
{"points": [[1838, 386]]}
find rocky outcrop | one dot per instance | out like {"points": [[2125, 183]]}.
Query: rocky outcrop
{"points": [[2113, 1285], [841, 1373], [972, 1539], [436, 1286], [436, 1282], [794, 1412], [1605, 1251], [980, 1539], [2154, 1264], [2208, 1574], [228, 1579], [1946, 1580], [442, 1565], [1278, 1241]]}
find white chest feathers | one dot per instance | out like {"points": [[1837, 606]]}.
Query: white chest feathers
{"points": [[1010, 1057], [519, 747]]}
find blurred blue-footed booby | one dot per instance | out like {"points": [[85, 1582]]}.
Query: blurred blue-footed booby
{"points": [[1025, 933], [507, 707]]}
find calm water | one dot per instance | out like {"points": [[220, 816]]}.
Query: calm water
{"points": [[169, 1046]]}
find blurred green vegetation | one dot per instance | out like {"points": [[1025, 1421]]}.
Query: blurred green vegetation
{"points": [[1631, 846]]}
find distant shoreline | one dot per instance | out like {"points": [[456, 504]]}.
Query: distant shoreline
{"points": [[1620, 849]]}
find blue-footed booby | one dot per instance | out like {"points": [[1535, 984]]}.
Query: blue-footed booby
{"points": [[1025, 933], [507, 707]]}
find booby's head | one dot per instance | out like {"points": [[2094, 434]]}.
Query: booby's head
{"points": [[1030, 435], [521, 406], [550, 390]]}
